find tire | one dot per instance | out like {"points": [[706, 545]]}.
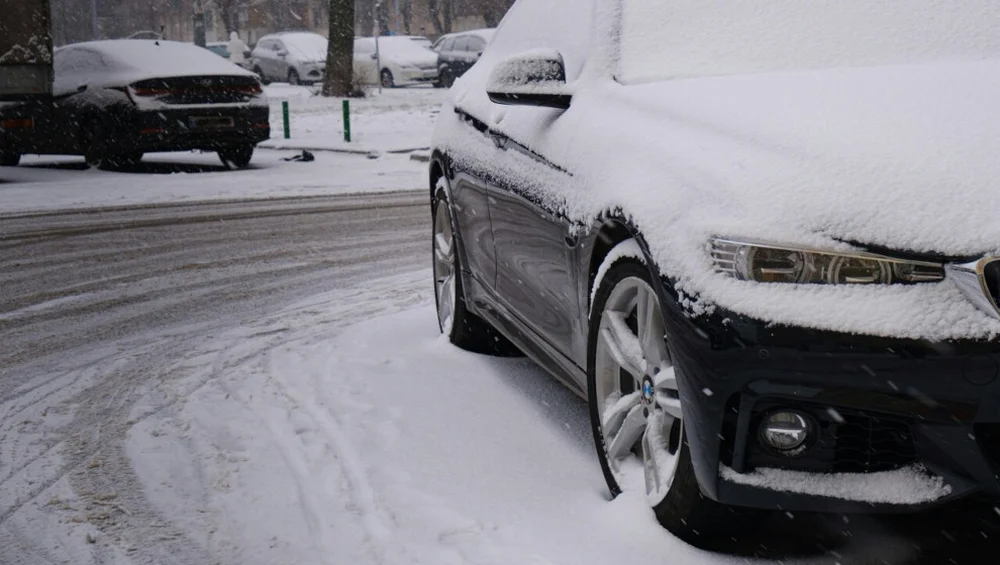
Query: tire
{"points": [[387, 79], [130, 159], [446, 79], [633, 418], [293, 78], [9, 159], [463, 328], [263, 78], [236, 157]]}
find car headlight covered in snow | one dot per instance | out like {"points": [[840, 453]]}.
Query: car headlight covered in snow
{"points": [[762, 262]]}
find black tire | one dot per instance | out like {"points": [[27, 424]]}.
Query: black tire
{"points": [[293, 78], [263, 78], [446, 79], [236, 157], [9, 159], [685, 511], [388, 81], [468, 331]]}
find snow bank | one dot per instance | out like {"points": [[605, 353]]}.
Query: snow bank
{"points": [[910, 485]]}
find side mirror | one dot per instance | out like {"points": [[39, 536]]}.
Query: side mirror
{"points": [[374, 56], [282, 53], [534, 78]]}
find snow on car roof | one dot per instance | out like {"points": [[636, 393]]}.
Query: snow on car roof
{"points": [[685, 39], [152, 58]]}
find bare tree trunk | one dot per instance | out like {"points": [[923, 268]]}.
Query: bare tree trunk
{"points": [[406, 12], [382, 17], [440, 13], [340, 55]]}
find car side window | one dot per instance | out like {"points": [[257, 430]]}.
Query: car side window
{"points": [[476, 45], [362, 47], [462, 44], [277, 46], [448, 45]]}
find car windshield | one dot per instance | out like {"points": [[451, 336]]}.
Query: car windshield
{"points": [[306, 46], [663, 40]]}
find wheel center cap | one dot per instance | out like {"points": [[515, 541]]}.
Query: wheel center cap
{"points": [[647, 390]]}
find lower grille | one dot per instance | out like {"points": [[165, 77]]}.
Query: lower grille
{"points": [[868, 444], [988, 438]]}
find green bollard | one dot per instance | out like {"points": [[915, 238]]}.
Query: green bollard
{"points": [[284, 114], [347, 121]]}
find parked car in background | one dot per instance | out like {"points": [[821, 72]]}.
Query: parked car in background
{"points": [[116, 100], [220, 48], [457, 52], [769, 261], [146, 34], [401, 61], [297, 57], [419, 40]]}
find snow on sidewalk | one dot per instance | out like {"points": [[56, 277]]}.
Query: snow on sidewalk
{"points": [[399, 120], [346, 430], [54, 183]]}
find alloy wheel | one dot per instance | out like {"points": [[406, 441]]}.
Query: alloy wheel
{"points": [[444, 266], [638, 400]]}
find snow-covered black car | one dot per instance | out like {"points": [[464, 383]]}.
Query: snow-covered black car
{"points": [[116, 100], [762, 241]]}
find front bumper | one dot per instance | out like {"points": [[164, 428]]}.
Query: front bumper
{"points": [[418, 75], [880, 406]]}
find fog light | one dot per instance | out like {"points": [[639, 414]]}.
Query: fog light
{"points": [[785, 431]]}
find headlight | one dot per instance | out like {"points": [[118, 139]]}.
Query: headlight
{"points": [[763, 262]]}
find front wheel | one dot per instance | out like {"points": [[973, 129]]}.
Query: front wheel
{"points": [[635, 405], [260, 72], [236, 157], [388, 81], [463, 328], [9, 159], [445, 79]]}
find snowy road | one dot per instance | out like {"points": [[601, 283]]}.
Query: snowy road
{"points": [[250, 383]]}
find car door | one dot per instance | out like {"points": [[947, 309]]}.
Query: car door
{"points": [[364, 61], [474, 50], [280, 60], [460, 55], [445, 57], [470, 198], [537, 246], [262, 58]]}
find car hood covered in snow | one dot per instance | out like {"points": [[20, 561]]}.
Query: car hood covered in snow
{"points": [[903, 158], [899, 158]]}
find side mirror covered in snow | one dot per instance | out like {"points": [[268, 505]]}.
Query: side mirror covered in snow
{"points": [[533, 78]]}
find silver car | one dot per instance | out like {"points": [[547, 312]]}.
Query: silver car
{"points": [[293, 57]]}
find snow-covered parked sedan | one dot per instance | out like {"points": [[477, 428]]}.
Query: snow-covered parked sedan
{"points": [[762, 241], [116, 100]]}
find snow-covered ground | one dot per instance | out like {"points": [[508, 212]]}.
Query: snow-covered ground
{"points": [[387, 127], [48, 183], [345, 430], [397, 120]]}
